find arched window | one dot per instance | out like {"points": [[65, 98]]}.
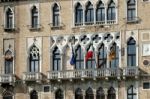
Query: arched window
{"points": [[102, 57], [33, 95], [111, 93], [56, 59], [131, 52], [59, 94], [100, 93], [56, 19], [78, 94], [90, 63], [111, 11], [78, 15], [9, 19], [131, 93], [89, 94], [79, 59], [114, 56], [7, 95], [8, 62], [131, 10], [89, 14], [34, 59], [100, 12], [34, 17]]}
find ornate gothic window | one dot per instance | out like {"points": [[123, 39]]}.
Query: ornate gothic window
{"points": [[111, 93], [78, 94], [131, 93], [89, 14], [59, 94], [131, 52], [111, 11], [34, 95], [114, 56], [56, 59], [9, 19], [34, 17], [102, 57], [79, 59], [91, 62], [8, 62], [89, 94], [78, 15], [100, 93], [7, 95], [34, 59], [100, 12], [131, 10], [56, 19]]}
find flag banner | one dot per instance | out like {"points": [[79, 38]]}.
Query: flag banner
{"points": [[89, 54], [112, 55], [72, 61]]}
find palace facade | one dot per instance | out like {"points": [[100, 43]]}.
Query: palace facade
{"points": [[39, 38]]}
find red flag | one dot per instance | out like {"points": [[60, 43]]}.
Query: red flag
{"points": [[89, 54]]}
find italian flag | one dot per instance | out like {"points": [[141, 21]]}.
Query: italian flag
{"points": [[89, 54]]}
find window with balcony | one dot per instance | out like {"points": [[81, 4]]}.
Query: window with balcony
{"points": [[34, 59], [111, 12], [9, 22], [56, 59], [89, 94], [91, 62], [7, 95], [131, 10], [59, 94], [56, 16], [131, 52], [78, 15], [102, 57], [34, 95], [111, 93], [78, 94], [100, 13], [114, 56], [100, 93], [34, 18], [8, 62], [131, 93], [79, 59], [89, 14]]}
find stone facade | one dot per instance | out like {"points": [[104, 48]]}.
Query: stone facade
{"points": [[22, 42]]}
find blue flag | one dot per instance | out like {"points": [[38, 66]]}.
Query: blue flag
{"points": [[72, 61]]}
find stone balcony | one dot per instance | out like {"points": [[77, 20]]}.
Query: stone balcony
{"points": [[32, 76], [84, 74], [7, 79], [130, 72]]}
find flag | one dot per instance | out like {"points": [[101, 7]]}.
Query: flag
{"points": [[72, 61], [89, 54], [112, 54]]}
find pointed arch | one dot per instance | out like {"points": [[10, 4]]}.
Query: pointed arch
{"points": [[78, 14], [89, 14], [56, 14], [131, 92], [89, 94], [78, 94], [131, 52], [56, 59], [59, 94], [33, 94], [9, 18], [100, 12], [111, 93], [111, 11], [79, 57], [131, 10], [34, 17], [34, 59], [100, 93]]}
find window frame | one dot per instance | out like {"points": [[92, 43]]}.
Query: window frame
{"points": [[55, 16], [56, 52], [100, 7], [110, 10], [78, 14], [132, 94], [61, 93], [80, 95], [131, 8], [89, 18], [34, 17]]}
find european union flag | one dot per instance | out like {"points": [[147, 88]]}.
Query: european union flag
{"points": [[72, 61]]}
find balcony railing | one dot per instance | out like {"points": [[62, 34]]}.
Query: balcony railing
{"points": [[32, 76], [7, 78], [131, 71], [111, 22], [87, 73]]}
